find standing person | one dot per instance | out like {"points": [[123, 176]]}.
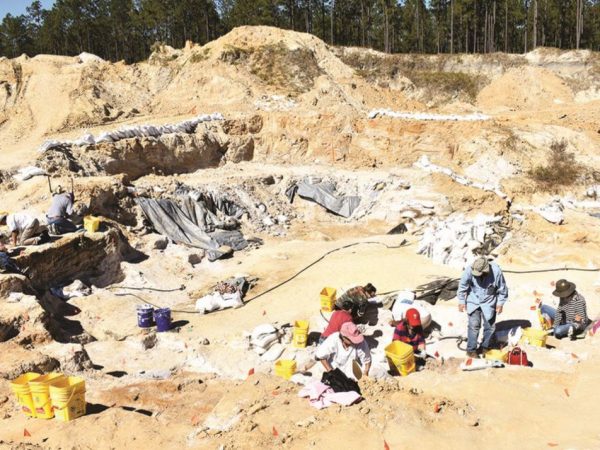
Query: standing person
{"points": [[482, 292], [24, 229], [359, 296], [337, 319], [410, 331], [59, 212], [339, 350], [570, 318]]}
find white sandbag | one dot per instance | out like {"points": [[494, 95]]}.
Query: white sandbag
{"points": [[402, 305], [218, 301], [85, 58], [273, 353], [28, 172]]}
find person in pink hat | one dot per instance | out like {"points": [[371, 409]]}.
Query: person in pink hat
{"points": [[340, 349]]}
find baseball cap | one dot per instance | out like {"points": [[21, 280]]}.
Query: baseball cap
{"points": [[413, 317]]}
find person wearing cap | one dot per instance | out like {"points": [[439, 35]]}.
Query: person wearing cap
{"points": [[337, 319], [359, 296], [340, 349], [570, 317], [59, 212], [24, 229], [482, 292], [410, 331]]}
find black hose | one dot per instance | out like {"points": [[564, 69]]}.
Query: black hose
{"points": [[402, 244], [180, 288]]}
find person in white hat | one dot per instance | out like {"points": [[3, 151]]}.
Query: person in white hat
{"points": [[482, 292]]}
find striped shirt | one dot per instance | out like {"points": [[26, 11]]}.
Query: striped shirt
{"points": [[568, 308], [356, 295], [402, 334]]}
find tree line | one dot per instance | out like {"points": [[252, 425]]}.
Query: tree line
{"points": [[128, 29]]}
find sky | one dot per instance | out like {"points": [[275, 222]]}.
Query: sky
{"points": [[17, 7]]}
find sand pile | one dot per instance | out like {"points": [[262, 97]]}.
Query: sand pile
{"points": [[525, 88]]}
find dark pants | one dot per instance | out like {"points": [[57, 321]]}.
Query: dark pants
{"points": [[489, 327], [62, 225]]}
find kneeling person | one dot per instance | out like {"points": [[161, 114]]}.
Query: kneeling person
{"points": [[410, 331], [340, 349], [23, 228]]}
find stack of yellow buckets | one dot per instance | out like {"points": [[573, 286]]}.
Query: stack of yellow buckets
{"points": [[50, 395]]}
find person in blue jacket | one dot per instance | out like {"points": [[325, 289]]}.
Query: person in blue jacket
{"points": [[482, 292]]}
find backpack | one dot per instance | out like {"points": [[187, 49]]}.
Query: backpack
{"points": [[339, 382], [517, 357]]}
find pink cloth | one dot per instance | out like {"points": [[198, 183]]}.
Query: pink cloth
{"points": [[321, 396]]}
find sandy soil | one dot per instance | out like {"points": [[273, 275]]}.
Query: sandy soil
{"points": [[190, 387]]}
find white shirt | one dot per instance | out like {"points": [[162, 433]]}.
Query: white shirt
{"points": [[332, 349], [18, 221]]}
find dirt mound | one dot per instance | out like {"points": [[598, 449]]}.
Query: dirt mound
{"points": [[525, 88]]}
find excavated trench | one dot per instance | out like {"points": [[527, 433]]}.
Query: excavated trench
{"points": [[208, 146]]}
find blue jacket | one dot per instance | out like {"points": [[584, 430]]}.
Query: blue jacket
{"points": [[485, 292]]}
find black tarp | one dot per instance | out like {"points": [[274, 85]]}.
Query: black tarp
{"points": [[195, 222], [323, 194]]}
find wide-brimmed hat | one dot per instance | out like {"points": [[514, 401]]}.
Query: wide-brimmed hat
{"points": [[480, 266], [564, 288], [350, 330]]}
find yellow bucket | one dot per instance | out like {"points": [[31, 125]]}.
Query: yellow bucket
{"points": [[40, 394], [328, 296], [497, 355], [285, 368], [534, 337], [300, 335], [20, 387], [68, 398], [91, 223], [401, 358]]}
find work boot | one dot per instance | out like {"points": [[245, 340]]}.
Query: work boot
{"points": [[472, 355]]}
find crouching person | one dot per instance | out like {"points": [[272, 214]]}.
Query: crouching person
{"points": [[570, 318], [340, 349], [24, 229], [59, 212], [410, 331]]}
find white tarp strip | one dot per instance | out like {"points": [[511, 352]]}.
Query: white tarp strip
{"points": [[475, 117], [187, 126], [426, 165]]}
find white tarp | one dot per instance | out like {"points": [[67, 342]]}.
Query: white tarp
{"points": [[428, 116], [187, 126], [424, 164], [453, 241]]}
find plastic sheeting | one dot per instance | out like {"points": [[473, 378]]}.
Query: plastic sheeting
{"points": [[192, 223], [187, 126], [457, 240], [428, 116], [323, 194]]}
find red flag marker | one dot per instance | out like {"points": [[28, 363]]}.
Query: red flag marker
{"points": [[450, 324], [437, 408], [264, 312], [567, 392], [275, 432], [251, 372], [26, 433], [437, 354], [385, 445], [469, 361]]}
